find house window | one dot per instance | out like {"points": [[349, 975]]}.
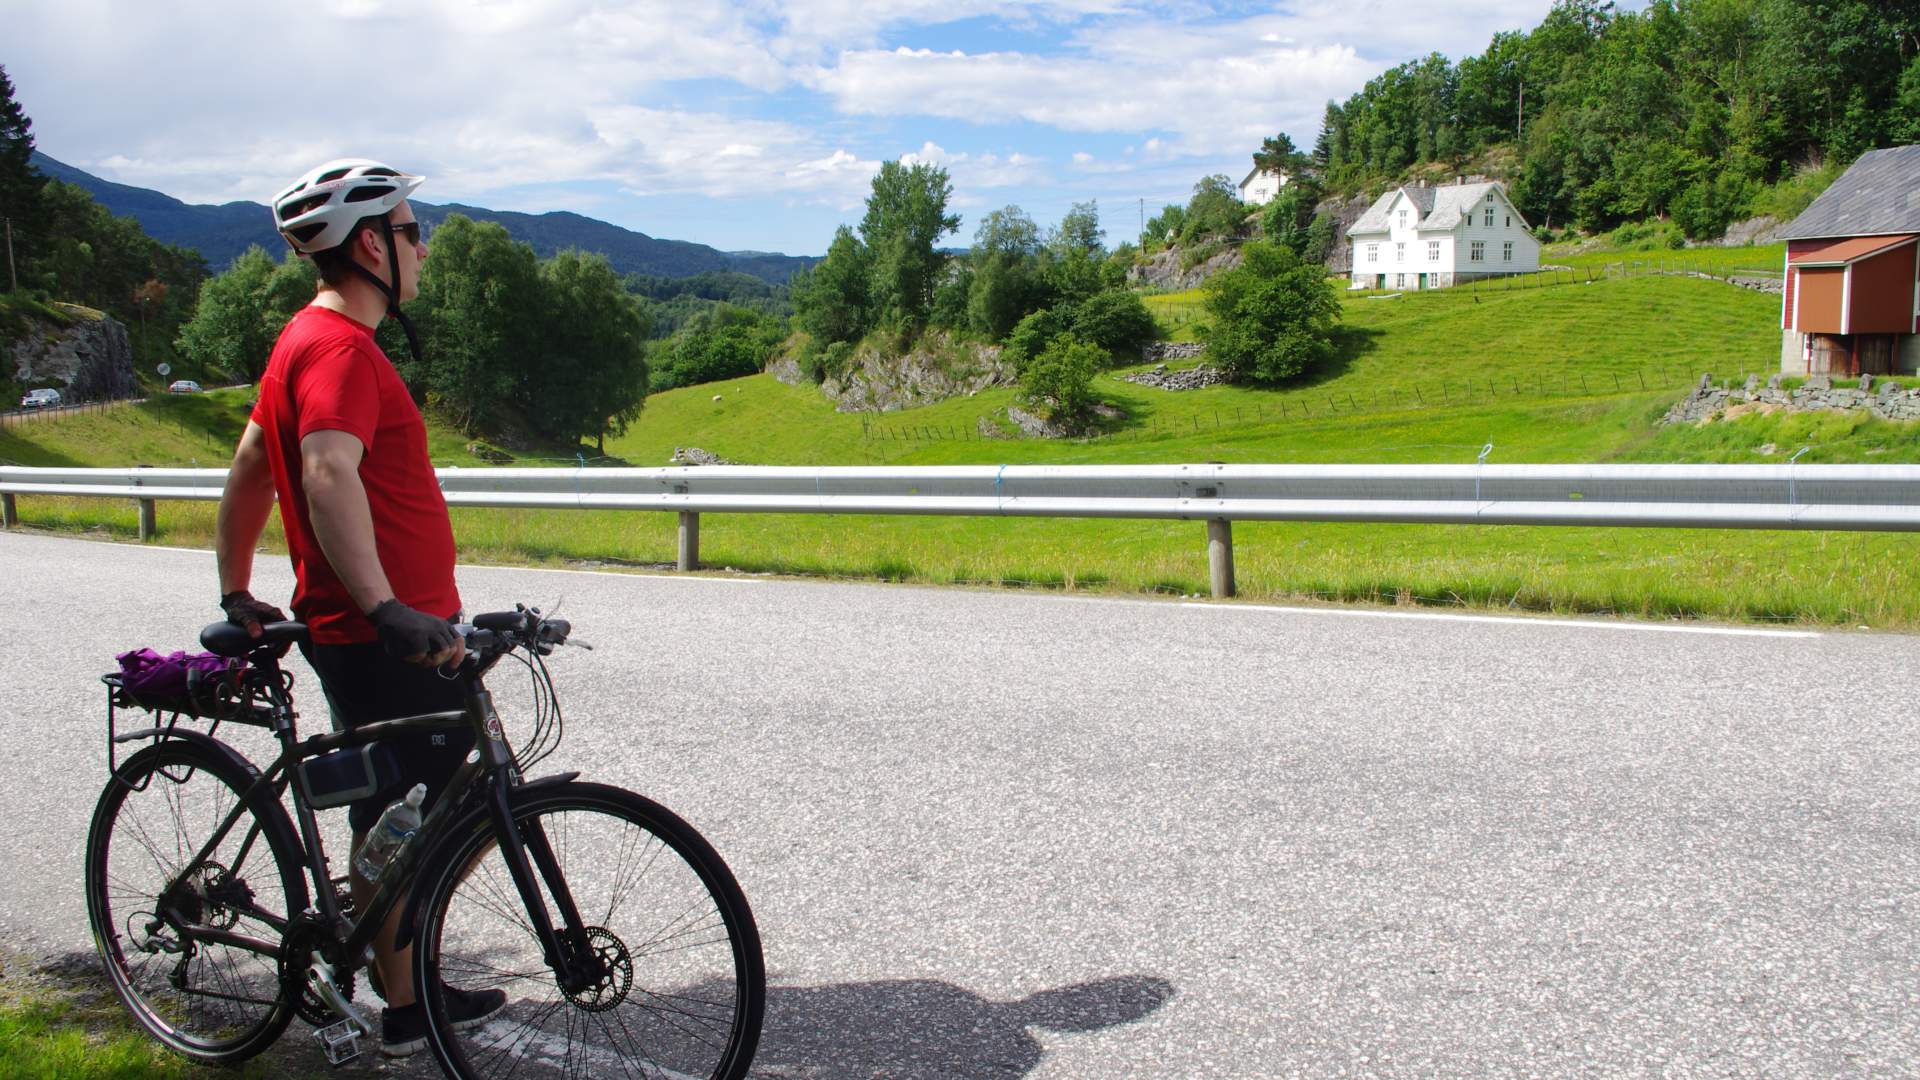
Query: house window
{"points": [[1399, 253], [1433, 251], [1489, 222], [1479, 253], [1506, 251], [1373, 252], [1403, 219], [1399, 281], [1509, 221]]}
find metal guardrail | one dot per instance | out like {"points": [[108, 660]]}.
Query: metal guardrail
{"points": [[1786, 496]]}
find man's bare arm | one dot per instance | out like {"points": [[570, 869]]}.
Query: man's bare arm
{"points": [[245, 504]]}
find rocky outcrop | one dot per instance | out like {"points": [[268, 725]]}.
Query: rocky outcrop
{"points": [[1162, 269], [693, 455], [1747, 233], [1344, 213], [936, 369], [1711, 401], [88, 359], [1154, 351]]}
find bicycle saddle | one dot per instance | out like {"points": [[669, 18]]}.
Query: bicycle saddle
{"points": [[230, 639]]}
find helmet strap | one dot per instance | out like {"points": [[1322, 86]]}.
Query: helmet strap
{"points": [[391, 289]]}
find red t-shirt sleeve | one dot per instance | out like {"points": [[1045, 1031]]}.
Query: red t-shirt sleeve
{"points": [[337, 390]]}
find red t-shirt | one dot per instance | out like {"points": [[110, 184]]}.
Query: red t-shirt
{"points": [[326, 374]]}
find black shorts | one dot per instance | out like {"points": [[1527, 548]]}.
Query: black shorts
{"points": [[363, 684]]}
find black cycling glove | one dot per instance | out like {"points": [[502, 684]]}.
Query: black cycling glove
{"points": [[243, 610], [409, 632]]}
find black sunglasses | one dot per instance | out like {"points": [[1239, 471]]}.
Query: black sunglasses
{"points": [[408, 229]]}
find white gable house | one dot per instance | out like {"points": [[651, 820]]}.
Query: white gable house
{"points": [[1419, 237], [1261, 185]]}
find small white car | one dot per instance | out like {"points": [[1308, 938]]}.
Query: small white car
{"points": [[184, 386], [40, 399]]}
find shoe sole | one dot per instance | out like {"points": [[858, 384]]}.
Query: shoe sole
{"points": [[414, 1046]]}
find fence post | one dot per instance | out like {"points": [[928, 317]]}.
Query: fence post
{"points": [[146, 520], [1220, 557], [689, 540], [9, 514]]}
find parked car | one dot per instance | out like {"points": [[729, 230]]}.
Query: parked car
{"points": [[184, 386], [40, 399]]}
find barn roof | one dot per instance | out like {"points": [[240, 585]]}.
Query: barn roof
{"points": [[1878, 196], [1851, 250]]}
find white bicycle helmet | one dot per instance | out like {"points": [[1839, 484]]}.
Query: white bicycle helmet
{"points": [[319, 210]]}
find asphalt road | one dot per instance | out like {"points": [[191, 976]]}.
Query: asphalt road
{"points": [[1003, 834]]}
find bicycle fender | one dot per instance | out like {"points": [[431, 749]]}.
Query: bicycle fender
{"points": [[474, 820]]}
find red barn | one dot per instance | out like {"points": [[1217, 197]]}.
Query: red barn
{"points": [[1852, 300]]}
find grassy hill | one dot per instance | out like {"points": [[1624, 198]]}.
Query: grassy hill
{"points": [[1575, 373]]}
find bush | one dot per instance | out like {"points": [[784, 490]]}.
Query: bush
{"points": [[1272, 316], [1031, 335], [1058, 383], [1116, 320]]}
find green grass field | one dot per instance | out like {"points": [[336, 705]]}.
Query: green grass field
{"points": [[1577, 373]]}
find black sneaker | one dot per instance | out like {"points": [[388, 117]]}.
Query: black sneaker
{"points": [[403, 1031]]}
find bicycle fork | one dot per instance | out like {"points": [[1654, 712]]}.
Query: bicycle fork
{"points": [[566, 949]]}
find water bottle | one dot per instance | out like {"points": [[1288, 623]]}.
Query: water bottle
{"points": [[390, 834]]}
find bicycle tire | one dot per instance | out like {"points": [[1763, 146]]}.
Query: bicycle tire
{"points": [[214, 1003], [683, 991]]}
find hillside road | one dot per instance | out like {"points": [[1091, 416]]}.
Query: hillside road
{"points": [[1028, 834]]}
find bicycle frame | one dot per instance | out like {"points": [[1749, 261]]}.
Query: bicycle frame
{"points": [[488, 776]]}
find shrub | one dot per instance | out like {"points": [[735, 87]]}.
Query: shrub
{"points": [[1272, 316], [1058, 383], [1115, 320], [1030, 336]]}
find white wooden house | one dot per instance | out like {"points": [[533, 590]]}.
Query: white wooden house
{"points": [[1420, 237], [1261, 185]]}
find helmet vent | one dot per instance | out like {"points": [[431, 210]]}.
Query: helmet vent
{"points": [[331, 175], [369, 192]]}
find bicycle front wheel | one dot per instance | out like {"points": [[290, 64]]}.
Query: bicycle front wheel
{"points": [[193, 949], [677, 986]]}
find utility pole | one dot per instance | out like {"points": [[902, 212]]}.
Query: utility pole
{"points": [[1520, 115], [12, 275], [1143, 220]]}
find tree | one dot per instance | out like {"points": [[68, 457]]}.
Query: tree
{"points": [[479, 320], [1286, 218], [1272, 316], [1079, 232], [723, 344], [1214, 210], [906, 215], [1004, 284], [20, 183], [1029, 337], [593, 381], [1116, 321], [831, 302], [240, 313], [1277, 154], [1058, 383]]}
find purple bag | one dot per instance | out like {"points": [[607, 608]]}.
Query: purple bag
{"points": [[145, 673]]}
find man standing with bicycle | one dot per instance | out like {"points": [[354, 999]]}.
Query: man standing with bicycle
{"points": [[337, 439]]}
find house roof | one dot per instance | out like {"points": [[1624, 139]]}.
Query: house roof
{"points": [[1257, 170], [1852, 250], [1878, 196], [1440, 207]]}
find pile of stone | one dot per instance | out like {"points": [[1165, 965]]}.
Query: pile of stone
{"points": [[1188, 379], [1882, 397], [1171, 350], [693, 455]]}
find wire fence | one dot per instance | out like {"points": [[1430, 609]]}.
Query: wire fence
{"points": [[21, 417]]}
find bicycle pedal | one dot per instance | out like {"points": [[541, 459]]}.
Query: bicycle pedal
{"points": [[340, 1040]]}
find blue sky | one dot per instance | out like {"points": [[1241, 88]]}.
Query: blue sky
{"points": [[745, 126]]}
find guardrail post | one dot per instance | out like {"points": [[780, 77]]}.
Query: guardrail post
{"points": [[689, 540], [1220, 556], [146, 519], [9, 514]]}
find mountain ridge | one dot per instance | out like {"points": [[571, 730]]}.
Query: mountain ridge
{"points": [[220, 233]]}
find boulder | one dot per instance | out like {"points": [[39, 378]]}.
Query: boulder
{"points": [[90, 358]]}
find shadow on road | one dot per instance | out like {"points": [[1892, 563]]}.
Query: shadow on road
{"points": [[902, 1029], [907, 1029]]}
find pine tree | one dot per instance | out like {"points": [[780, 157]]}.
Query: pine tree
{"points": [[20, 184]]}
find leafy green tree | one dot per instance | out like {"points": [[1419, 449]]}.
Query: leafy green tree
{"points": [[833, 301], [593, 381], [1005, 281], [1214, 210], [240, 313], [1286, 218], [1029, 337], [729, 343], [1058, 383], [1115, 321], [1278, 154], [1163, 228], [479, 321], [906, 216], [1272, 317], [1079, 233]]}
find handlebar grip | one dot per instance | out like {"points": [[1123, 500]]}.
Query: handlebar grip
{"points": [[503, 621]]}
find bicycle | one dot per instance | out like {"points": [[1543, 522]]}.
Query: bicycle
{"points": [[623, 942]]}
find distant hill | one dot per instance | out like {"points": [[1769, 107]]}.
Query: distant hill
{"points": [[221, 233]]}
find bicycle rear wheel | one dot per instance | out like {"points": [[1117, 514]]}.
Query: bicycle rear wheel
{"points": [[679, 988], [215, 1001]]}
